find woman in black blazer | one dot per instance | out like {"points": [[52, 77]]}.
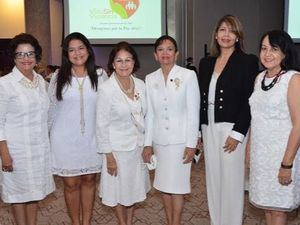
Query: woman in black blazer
{"points": [[226, 81]]}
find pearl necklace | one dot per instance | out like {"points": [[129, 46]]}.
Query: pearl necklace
{"points": [[130, 90], [30, 84], [80, 88], [274, 81]]}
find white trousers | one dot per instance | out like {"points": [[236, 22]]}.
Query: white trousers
{"points": [[224, 175]]}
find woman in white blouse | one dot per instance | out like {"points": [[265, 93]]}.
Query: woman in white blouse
{"points": [[120, 134], [171, 126], [24, 144], [72, 119]]}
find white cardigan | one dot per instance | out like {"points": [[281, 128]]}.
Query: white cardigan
{"points": [[173, 108], [115, 129]]}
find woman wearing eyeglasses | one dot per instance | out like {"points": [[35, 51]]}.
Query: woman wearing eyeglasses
{"points": [[121, 108], [72, 118], [24, 145]]}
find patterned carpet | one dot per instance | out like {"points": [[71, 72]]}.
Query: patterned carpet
{"points": [[52, 210]]}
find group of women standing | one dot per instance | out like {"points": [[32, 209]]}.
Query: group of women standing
{"points": [[115, 125]]}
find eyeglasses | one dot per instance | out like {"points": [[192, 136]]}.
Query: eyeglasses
{"points": [[124, 61], [21, 55]]}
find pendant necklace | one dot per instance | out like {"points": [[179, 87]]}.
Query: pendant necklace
{"points": [[131, 86], [80, 88], [274, 81]]}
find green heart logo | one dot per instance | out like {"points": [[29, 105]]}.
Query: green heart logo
{"points": [[124, 8]]}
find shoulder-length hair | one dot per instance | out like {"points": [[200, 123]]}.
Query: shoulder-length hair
{"points": [[281, 39], [126, 47], [64, 76], [237, 29]]}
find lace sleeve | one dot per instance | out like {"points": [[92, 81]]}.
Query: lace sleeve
{"points": [[53, 100]]}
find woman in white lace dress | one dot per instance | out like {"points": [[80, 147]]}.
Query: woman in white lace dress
{"points": [[275, 130], [72, 119], [24, 144]]}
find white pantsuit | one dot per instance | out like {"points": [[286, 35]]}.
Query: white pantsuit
{"points": [[224, 173], [172, 124]]}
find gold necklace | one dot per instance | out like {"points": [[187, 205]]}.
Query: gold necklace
{"points": [[80, 88], [130, 90]]}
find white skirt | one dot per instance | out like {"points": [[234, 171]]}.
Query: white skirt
{"points": [[130, 185], [171, 175]]}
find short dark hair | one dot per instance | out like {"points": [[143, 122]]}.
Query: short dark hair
{"points": [[163, 38], [25, 38], [126, 47], [65, 74], [282, 40]]}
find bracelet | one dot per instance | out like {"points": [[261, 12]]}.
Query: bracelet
{"points": [[286, 166]]}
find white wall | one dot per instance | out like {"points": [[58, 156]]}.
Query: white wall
{"points": [[12, 21]]}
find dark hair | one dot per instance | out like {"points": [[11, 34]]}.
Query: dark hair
{"points": [[64, 75], [163, 38], [283, 40], [237, 29], [25, 38], [126, 47]]}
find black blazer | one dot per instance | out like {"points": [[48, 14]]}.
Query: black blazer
{"points": [[234, 87]]}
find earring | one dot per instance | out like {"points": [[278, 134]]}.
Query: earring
{"points": [[237, 40]]}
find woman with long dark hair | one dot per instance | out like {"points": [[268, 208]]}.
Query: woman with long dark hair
{"points": [[72, 119]]}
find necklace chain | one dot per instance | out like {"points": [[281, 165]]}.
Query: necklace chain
{"points": [[80, 88], [131, 87], [274, 81]]}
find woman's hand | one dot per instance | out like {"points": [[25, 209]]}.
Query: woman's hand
{"points": [[112, 168], [199, 143], [188, 155], [230, 144], [7, 162], [147, 153], [285, 176]]}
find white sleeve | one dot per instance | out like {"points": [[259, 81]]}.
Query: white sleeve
{"points": [[53, 100], [4, 101], [149, 117], [102, 122], [193, 107], [102, 76]]}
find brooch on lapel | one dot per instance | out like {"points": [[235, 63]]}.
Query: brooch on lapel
{"points": [[137, 96], [177, 82]]}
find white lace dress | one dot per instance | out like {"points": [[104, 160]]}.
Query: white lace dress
{"points": [[74, 153], [270, 129]]}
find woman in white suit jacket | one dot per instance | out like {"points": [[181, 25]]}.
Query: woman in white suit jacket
{"points": [[171, 126], [121, 106]]}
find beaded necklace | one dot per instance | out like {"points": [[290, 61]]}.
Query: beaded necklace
{"points": [[274, 81]]}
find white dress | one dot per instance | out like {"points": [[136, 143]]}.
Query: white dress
{"points": [[270, 129], [23, 125], [74, 153]]}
